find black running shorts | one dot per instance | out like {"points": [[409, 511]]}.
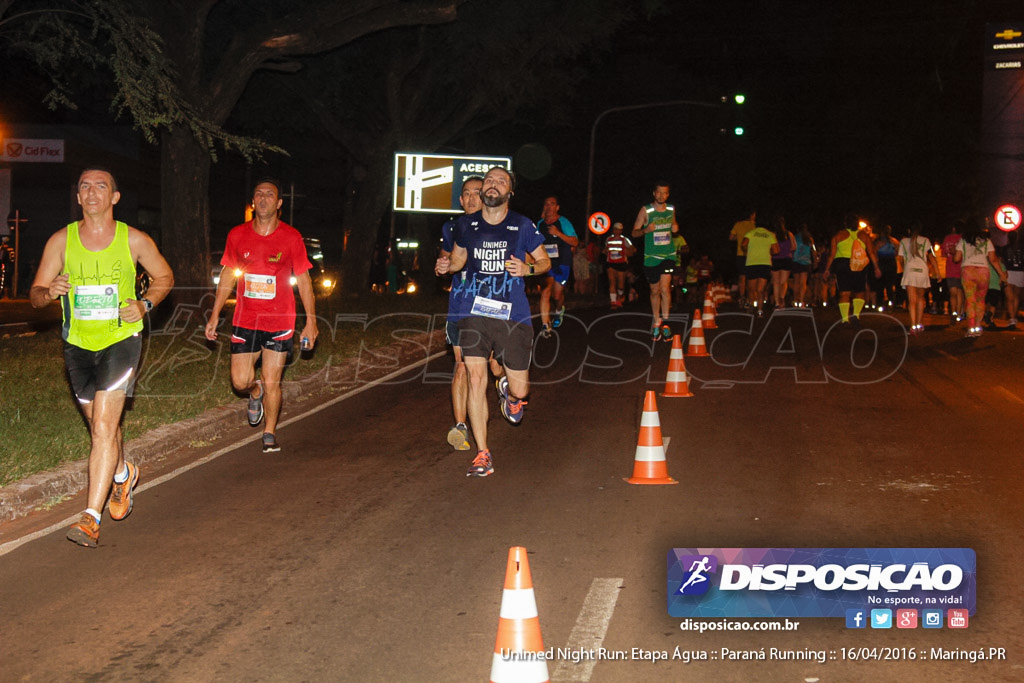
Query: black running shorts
{"points": [[511, 342], [244, 340], [111, 369]]}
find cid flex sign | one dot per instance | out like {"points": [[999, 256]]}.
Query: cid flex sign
{"points": [[37, 151], [430, 183], [1007, 217]]}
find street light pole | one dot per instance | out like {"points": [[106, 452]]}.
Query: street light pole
{"points": [[593, 134]]}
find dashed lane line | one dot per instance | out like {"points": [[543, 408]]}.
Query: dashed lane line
{"points": [[588, 633]]}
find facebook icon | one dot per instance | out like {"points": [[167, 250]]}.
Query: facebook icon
{"points": [[856, 618]]}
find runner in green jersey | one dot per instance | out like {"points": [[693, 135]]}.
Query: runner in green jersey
{"points": [[656, 222]]}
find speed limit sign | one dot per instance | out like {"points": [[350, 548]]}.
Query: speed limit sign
{"points": [[599, 223], [1008, 217]]}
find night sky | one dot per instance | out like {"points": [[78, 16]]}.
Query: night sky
{"points": [[867, 106]]}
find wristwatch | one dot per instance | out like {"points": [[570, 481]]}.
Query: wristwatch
{"points": [[148, 304]]}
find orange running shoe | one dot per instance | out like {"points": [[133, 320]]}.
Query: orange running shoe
{"points": [[121, 500], [86, 531]]}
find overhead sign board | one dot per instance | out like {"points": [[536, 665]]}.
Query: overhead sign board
{"points": [[37, 151], [1005, 48], [430, 183]]}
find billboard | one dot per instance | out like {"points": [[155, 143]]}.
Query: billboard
{"points": [[431, 183], [36, 151]]}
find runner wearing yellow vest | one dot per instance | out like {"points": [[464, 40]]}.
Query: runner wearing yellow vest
{"points": [[849, 282], [90, 266]]}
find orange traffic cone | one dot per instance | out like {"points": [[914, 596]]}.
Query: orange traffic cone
{"points": [[677, 384], [519, 649], [697, 347], [708, 316], [649, 466]]}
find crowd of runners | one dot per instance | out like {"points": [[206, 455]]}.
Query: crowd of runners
{"points": [[490, 252]]}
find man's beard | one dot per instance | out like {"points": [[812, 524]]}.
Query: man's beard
{"points": [[493, 201]]}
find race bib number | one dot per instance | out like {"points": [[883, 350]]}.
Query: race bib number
{"points": [[489, 308], [96, 302], [551, 250], [662, 239], [260, 286]]}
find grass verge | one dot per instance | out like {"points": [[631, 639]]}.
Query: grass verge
{"points": [[182, 375]]}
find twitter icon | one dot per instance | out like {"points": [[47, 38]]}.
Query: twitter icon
{"points": [[881, 618]]}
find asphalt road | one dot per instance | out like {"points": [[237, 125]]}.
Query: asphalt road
{"points": [[363, 552]]}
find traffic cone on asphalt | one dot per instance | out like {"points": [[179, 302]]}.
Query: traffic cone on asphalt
{"points": [[519, 649], [677, 384], [707, 318], [649, 466], [697, 347]]}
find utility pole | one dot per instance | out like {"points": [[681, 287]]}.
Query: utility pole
{"points": [[18, 220], [291, 202]]}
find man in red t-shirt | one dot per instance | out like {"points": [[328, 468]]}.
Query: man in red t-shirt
{"points": [[263, 255]]}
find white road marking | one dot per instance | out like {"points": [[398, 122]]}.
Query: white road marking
{"points": [[947, 355], [1009, 394], [18, 542], [588, 633]]}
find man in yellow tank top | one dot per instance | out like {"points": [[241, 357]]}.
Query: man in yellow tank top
{"points": [[90, 266]]}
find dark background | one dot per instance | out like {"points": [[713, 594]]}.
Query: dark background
{"points": [[871, 107]]}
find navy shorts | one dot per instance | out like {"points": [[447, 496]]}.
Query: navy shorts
{"points": [[253, 341], [114, 368], [560, 274], [510, 342]]}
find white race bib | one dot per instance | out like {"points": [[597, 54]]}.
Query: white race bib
{"points": [[95, 302], [662, 238], [489, 308], [551, 250], [260, 286]]}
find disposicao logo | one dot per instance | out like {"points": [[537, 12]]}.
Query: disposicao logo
{"points": [[817, 582], [696, 580]]}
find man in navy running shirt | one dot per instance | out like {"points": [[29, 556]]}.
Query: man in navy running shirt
{"points": [[493, 312]]}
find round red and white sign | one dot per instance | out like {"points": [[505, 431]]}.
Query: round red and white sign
{"points": [[1007, 217], [599, 223]]}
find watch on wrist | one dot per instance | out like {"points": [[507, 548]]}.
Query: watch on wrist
{"points": [[531, 269], [148, 304]]}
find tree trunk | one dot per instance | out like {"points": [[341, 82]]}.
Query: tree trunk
{"points": [[368, 207], [185, 213]]}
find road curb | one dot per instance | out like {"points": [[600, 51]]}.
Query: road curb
{"points": [[46, 488]]}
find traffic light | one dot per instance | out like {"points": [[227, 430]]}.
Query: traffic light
{"points": [[733, 115]]}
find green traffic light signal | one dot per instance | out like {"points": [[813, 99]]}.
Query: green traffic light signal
{"points": [[740, 99], [738, 130]]}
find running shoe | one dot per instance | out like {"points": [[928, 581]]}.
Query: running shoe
{"points": [[656, 332], [482, 465], [86, 531], [270, 444], [501, 386], [255, 410], [458, 437], [511, 410], [559, 314], [545, 331], [1012, 325], [121, 499], [666, 332]]}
